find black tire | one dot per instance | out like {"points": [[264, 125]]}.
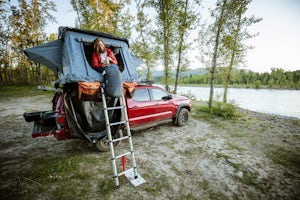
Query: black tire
{"points": [[103, 144], [183, 117]]}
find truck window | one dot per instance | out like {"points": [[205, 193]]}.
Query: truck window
{"points": [[141, 95], [158, 94]]}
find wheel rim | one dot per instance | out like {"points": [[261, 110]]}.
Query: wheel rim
{"points": [[184, 118]]}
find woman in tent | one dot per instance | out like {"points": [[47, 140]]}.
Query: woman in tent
{"points": [[102, 56]]}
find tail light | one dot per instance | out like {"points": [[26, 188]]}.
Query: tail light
{"points": [[60, 120], [60, 113]]}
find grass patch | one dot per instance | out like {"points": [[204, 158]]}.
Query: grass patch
{"points": [[237, 134], [21, 91], [285, 157], [68, 165], [191, 151], [158, 183], [233, 146], [52, 169], [60, 178]]}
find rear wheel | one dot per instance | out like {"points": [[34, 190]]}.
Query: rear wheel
{"points": [[183, 117], [103, 144]]}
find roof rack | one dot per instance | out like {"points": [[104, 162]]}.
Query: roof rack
{"points": [[63, 29], [146, 82]]}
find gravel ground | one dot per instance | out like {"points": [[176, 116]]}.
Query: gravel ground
{"points": [[254, 157]]}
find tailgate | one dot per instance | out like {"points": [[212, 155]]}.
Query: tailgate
{"points": [[44, 122]]}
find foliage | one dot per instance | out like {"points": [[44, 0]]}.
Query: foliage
{"points": [[159, 41], [186, 20], [220, 109], [216, 27], [189, 95], [225, 110], [143, 46], [22, 26], [165, 34], [173, 21], [222, 40], [236, 34], [104, 15]]}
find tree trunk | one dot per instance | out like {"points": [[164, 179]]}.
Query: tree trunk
{"points": [[233, 53], [166, 56], [219, 22], [180, 47]]}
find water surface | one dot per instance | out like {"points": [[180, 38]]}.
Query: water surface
{"points": [[279, 102]]}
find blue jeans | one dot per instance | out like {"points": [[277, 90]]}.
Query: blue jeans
{"points": [[101, 69], [113, 83], [114, 66]]}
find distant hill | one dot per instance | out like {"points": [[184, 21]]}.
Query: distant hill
{"points": [[199, 71]]}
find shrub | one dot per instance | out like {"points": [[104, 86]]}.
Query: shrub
{"points": [[189, 94], [226, 110], [220, 109]]}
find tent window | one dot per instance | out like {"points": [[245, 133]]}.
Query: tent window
{"points": [[88, 51]]}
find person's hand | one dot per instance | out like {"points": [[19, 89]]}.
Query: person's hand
{"points": [[106, 62]]}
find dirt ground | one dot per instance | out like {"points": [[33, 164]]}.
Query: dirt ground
{"points": [[254, 157]]}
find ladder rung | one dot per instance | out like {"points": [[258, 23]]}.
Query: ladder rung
{"points": [[114, 108], [117, 123], [124, 154], [124, 172], [121, 138]]}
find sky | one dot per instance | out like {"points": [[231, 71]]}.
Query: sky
{"points": [[276, 46]]}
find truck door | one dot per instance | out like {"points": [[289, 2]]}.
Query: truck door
{"points": [[164, 107], [140, 108]]}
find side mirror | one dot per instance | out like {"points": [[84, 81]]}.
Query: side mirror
{"points": [[168, 97]]}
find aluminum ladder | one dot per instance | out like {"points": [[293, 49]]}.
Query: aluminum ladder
{"points": [[131, 173]]}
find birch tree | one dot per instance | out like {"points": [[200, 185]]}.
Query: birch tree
{"points": [[28, 24], [187, 18], [143, 45], [230, 31], [4, 47], [237, 33], [165, 35], [218, 26]]}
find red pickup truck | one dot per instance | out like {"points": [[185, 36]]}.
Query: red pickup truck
{"points": [[149, 106]]}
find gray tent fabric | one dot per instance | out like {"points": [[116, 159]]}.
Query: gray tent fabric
{"points": [[66, 56], [75, 65], [48, 54]]}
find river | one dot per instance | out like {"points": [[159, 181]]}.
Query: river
{"points": [[279, 102]]}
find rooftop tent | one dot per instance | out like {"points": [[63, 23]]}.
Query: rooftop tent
{"points": [[68, 56]]}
